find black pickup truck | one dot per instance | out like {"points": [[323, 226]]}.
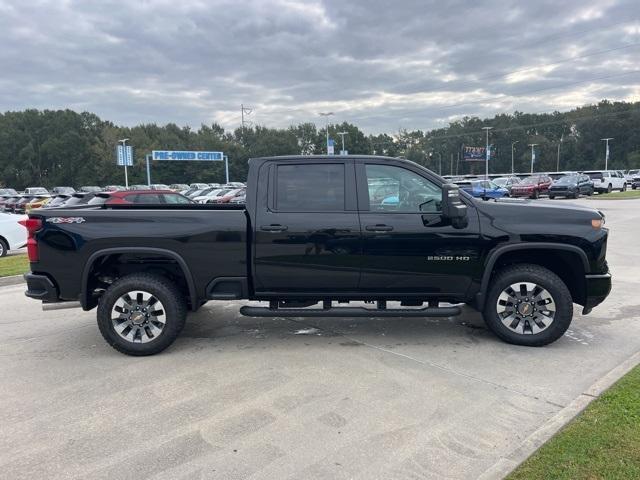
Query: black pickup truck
{"points": [[318, 232]]}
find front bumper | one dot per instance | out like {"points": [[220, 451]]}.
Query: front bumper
{"points": [[598, 287], [40, 287]]}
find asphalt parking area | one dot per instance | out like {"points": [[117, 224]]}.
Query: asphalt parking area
{"points": [[237, 397]]}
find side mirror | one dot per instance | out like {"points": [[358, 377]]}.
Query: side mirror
{"points": [[452, 207]]}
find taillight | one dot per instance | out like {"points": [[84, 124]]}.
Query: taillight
{"points": [[32, 225]]}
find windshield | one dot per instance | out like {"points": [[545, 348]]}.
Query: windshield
{"points": [[567, 179], [529, 181]]}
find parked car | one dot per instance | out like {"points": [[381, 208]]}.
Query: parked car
{"points": [[158, 197], [65, 190], [199, 186], [507, 182], [79, 198], [634, 175], [57, 200], [21, 205], [240, 199], [38, 202], [139, 187], [557, 175], [532, 186], [91, 189], [7, 192], [159, 186], [308, 236], [13, 235], [605, 181], [36, 191], [179, 187], [483, 189], [9, 203], [571, 186], [227, 197], [113, 188], [209, 194]]}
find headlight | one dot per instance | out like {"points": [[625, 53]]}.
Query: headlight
{"points": [[597, 223]]}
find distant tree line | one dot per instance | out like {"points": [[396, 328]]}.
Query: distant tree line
{"points": [[49, 148]]}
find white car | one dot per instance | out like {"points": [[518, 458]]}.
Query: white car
{"points": [[605, 181], [210, 195], [12, 234]]}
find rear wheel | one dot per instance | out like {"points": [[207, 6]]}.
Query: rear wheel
{"points": [[609, 188], [551, 197], [535, 194], [528, 305], [141, 314], [4, 248]]}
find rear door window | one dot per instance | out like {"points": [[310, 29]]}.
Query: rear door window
{"points": [[310, 188]]}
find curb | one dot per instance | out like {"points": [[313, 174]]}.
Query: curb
{"points": [[505, 465], [11, 280]]}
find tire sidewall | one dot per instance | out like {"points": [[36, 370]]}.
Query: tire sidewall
{"points": [[164, 291], [4, 248], [550, 282]]}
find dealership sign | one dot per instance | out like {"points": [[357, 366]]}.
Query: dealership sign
{"points": [[476, 154], [187, 155], [124, 156]]}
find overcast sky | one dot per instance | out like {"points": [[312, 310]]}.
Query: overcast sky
{"points": [[383, 65]]}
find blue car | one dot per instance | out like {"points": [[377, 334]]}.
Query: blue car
{"points": [[483, 189]]}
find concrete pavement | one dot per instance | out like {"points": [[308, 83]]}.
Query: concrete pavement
{"points": [[237, 397]]}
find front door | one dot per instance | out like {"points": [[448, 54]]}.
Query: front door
{"points": [[307, 238], [408, 246]]}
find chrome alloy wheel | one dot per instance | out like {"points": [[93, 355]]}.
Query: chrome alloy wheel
{"points": [[526, 308], [138, 317]]}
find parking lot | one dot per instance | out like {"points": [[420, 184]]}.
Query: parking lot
{"points": [[238, 397]]}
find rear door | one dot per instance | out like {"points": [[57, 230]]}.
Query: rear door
{"points": [[408, 246], [307, 237]]}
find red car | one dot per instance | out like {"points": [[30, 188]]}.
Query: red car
{"points": [[532, 187], [128, 197]]}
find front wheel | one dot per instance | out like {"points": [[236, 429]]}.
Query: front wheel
{"points": [[141, 314], [535, 194], [624, 188], [528, 305], [4, 248]]}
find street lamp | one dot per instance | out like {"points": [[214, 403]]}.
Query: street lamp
{"points": [[486, 172], [606, 153], [342, 134], [533, 155], [327, 115], [124, 154], [513, 144]]}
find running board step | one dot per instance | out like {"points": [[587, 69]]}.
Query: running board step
{"points": [[350, 312]]}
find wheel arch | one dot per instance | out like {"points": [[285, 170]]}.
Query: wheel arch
{"points": [[569, 262], [85, 294]]}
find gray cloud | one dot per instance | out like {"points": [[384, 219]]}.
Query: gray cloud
{"points": [[382, 65]]}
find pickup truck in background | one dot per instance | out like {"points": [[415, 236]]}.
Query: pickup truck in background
{"points": [[316, 233]]}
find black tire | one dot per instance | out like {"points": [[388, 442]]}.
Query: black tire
{"points": [[544, 278], [609, 188], [4, 247], [535, 195], [551, 197], [175, 312], [576, 194], [624, 187]]}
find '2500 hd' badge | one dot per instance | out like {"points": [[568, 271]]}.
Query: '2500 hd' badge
{"points": [[65, 220]]}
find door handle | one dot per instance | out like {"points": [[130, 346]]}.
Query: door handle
{"points": [[274, 228], [379, 228]]}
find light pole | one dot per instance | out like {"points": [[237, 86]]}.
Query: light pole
{"points": [[124, 154], [487, 153], [513, 144], [558, 160], [327, 115], [533, 155], [606, 153], [342, 134]]}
